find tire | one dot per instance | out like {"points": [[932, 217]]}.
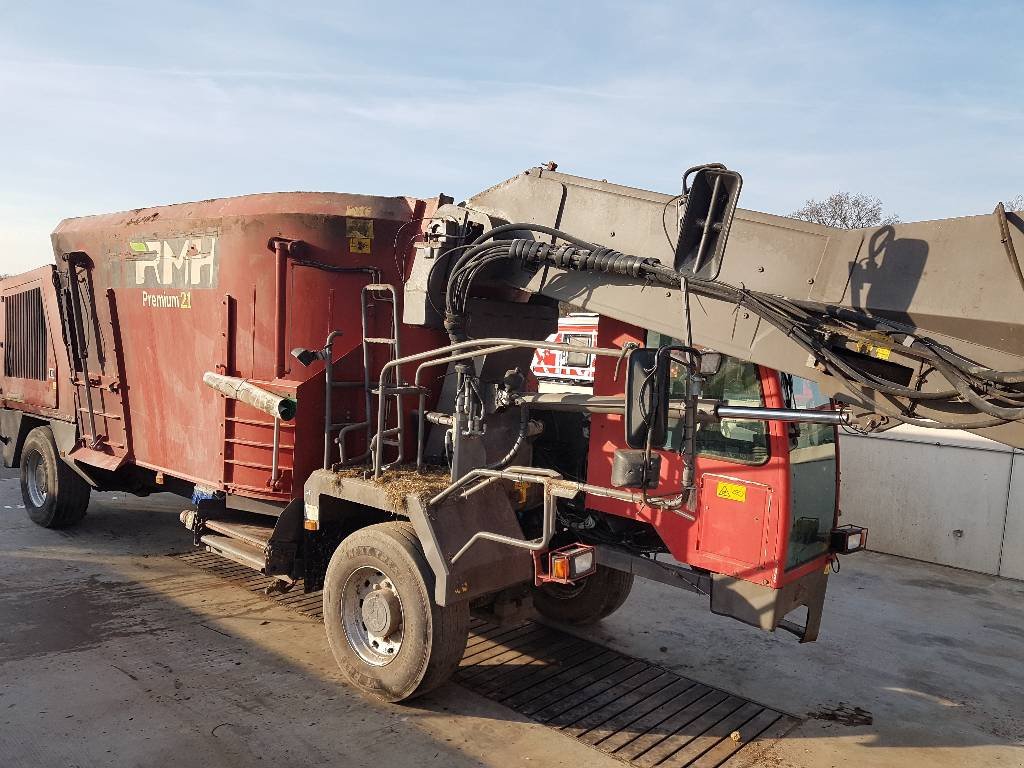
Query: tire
{"points": [[55, 497], [587, 602], [418, 644]]}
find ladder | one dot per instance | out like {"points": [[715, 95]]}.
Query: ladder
{"points": [[371, 296]]}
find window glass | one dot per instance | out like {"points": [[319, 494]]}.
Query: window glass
{"points": [[812, 468], [735, 383], [577, 359]]}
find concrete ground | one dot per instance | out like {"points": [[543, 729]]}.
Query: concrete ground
{"points": [[113, 654]]}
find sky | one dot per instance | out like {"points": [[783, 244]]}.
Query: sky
{"points": [[106, 106]]}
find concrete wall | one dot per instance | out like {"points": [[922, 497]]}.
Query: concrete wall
{"points": [[950, 498]]}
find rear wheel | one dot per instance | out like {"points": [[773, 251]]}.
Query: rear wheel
{"points": [[587, 601], [388, 636], [55, 497]]}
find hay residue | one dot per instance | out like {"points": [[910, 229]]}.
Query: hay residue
{"points": [[397, 484]]}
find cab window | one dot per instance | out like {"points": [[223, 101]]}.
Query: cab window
{"points": [[736, 383], [812, 474], [582, 358]]}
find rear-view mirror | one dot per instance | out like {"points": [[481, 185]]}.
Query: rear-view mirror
{"points": [[647, 375], [710, 363], [705, 221]]}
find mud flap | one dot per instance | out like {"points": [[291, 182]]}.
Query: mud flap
{"points": [[766, 608], [485, 567], [283, 555]]}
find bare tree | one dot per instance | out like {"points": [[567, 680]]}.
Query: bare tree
{"points": [[846, 211], [1016, 204]]}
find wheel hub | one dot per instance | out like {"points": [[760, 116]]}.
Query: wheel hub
{"points": [[381, 612], [36, 480], [371, 611]]}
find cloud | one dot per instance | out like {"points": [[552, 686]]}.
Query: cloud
{"points": [[118, 107]]}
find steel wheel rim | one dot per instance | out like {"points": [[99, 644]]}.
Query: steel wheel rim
{"points": [[377, 648], [36, 480]]}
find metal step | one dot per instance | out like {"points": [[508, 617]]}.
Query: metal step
{"points": [[235, 550], [253, 534]]}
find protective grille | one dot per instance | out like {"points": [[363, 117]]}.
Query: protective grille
{"points": [[642, 714], [25, 335]]}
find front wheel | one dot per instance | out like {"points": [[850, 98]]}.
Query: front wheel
{"points": [[55, 497], [388, 636], [587, 601]]}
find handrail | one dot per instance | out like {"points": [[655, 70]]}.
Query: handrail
{"points": [[479, 344]]}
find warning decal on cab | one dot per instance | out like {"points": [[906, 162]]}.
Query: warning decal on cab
{"points": [[731, 491]]}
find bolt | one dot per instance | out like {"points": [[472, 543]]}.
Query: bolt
{"points": [[746, 315], [611, 234], [668, 293], [760, 269], [810, 281]]}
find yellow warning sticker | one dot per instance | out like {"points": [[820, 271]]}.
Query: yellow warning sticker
{"points": [[731, 491], [359, 244], [881, 353], [359, 228]]}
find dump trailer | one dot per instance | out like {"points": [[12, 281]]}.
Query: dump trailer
{"points": [[341, 387]]}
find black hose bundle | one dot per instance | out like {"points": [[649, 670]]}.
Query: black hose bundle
{"points": [[973, 389]]}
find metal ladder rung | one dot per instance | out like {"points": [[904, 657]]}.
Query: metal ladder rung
{"points": [[347, 384], [401, 389], [370, 340]]}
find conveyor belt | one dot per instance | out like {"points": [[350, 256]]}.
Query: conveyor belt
{"points": [[631, 709]]}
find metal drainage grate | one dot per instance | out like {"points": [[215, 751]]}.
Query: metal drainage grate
{"points": [[633, 710]]}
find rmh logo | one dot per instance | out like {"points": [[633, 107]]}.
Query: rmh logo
{"points": [[182, 262]]}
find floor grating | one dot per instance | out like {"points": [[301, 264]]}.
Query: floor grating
{"points": [[631, 709]]}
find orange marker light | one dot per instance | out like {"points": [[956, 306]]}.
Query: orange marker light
{"points": [[560, 567]]}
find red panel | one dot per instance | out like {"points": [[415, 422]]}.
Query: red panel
{"points": [[735, 521], [682, 536], [184, 306]]}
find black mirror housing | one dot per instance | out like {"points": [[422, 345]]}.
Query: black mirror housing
{"points": [[707, 216], [647, 375]]}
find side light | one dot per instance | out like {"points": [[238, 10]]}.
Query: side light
{"points": [[571, 563], [848, 538]]}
